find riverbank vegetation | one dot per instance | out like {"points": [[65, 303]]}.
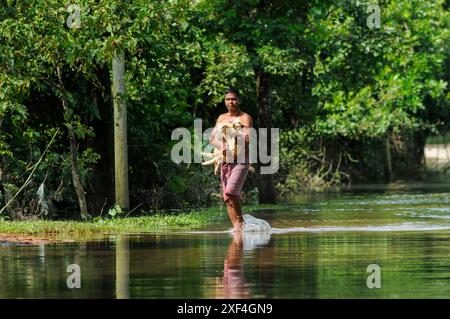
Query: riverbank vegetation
{"points": [[100, 226], [161, 221], [354, 99]]}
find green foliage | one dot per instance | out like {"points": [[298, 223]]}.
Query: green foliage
{"points": [[226, 64], [337, 89], [371, 81], [115, 211], [160, 221]]}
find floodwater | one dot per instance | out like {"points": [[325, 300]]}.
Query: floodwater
{"points": [[365, 244]]}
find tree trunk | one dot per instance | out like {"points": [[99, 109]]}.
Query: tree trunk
{"points": [[2, 189], [387, 159], [13, 209], [120, 132], [267, 192], [420, 139], [409, 154], [73, 148], [4, 194], [122, 267]]}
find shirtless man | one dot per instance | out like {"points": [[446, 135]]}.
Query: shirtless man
{"points": [[233, 173]]}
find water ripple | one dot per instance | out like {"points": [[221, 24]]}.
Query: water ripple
{"points": [[384, 228]]}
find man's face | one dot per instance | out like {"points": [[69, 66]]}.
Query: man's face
{"points": [[231, 101]]}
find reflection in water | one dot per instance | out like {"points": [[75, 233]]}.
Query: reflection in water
{"points": [[319, 249], [233, 284], [122, 267]]}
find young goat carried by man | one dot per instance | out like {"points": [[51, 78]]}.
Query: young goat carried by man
{"points": [[229, 133]]}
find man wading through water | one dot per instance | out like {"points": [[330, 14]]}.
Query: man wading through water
{"points": [[233, 170]]}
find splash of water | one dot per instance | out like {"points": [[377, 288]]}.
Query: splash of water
{"points": [[252, 224]]}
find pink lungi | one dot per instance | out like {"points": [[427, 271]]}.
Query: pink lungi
{"points": [[233, 177]]}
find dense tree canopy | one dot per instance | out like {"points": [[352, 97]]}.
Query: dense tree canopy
{"points": [[344, 92]]}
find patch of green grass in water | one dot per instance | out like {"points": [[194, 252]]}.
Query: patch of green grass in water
{"points": [[159, 222], [154, 223]]}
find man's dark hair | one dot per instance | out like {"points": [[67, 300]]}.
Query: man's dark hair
{"points": [[231, 89]]}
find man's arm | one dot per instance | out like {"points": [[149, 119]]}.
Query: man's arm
{"points": [[247, 121]]}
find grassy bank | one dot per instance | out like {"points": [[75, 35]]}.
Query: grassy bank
{"points": [[157, 222], [154, 223]]}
